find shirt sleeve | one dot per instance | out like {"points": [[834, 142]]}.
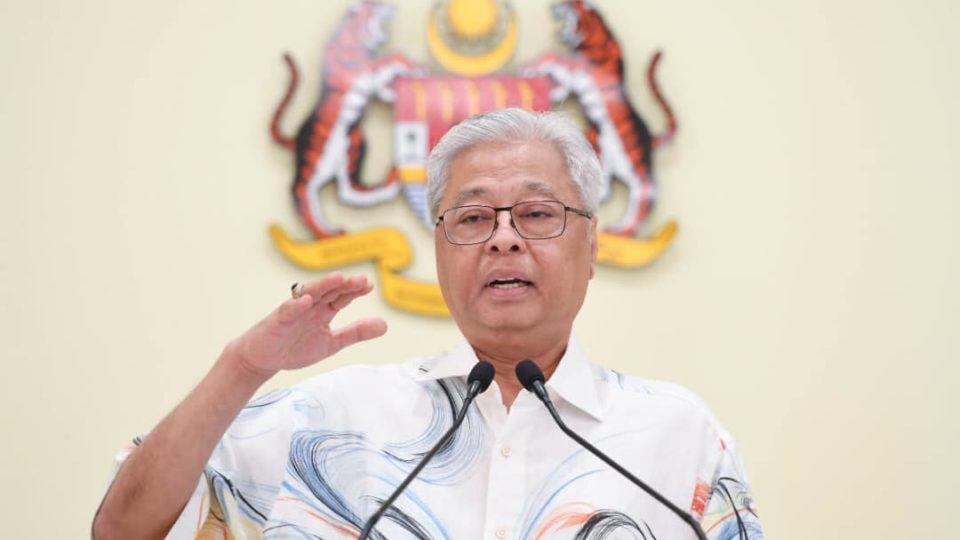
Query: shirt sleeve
{"points": [[195, 513], [730, 513], [235, 495]]}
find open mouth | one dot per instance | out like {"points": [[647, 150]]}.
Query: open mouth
{"points": [[510, 283]]}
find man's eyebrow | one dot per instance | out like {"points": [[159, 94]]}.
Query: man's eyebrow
{"points": [[535, 186], [542, 188], [469, 194]]}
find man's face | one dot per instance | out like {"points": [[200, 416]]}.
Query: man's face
{"points": [[479, 282]]}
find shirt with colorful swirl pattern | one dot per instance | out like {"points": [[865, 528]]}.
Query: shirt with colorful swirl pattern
{"points": [[317, 459]]}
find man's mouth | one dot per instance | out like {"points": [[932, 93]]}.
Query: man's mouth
{"points": [[510, 283]]}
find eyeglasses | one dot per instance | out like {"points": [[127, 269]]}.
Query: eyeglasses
{"points": [[533, 220]]}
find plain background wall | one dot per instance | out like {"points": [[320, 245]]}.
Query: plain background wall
{"points": [[809, 297]]}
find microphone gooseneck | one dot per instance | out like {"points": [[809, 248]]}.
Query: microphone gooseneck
{"points": [[479, 379], [530, 376]]}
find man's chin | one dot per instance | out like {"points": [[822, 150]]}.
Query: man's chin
{"points": [[499, 317], [511, 318]]}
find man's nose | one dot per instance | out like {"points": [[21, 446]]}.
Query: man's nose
{"points": [[505, 236]]}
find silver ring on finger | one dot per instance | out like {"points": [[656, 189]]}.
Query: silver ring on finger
{"points": [[296, 290]]}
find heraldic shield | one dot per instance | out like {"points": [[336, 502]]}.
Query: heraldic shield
{"points": [[330, 144]]}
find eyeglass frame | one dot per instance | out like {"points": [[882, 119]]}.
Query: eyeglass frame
{"points": [[509, 210]]}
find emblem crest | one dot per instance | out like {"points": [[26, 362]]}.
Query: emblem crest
{"points": [[330, 145]]}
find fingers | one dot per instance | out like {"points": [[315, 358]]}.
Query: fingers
{"points": [[357, 331], [293, 309], [326, 296], [328, 283], [348, 286], [334, 300], [344, 299]]}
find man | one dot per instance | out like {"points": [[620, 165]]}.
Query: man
{"points": [[514, 194]]}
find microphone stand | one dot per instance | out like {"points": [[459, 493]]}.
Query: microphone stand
{"points": [[541, 392], [476, 386]]}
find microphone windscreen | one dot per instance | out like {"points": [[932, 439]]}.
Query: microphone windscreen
{"points": [[528, 373], [481, 373]]}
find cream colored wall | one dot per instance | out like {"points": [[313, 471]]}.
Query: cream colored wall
{"points": [[809, 296]]}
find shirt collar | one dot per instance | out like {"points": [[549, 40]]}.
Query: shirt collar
{"points": [[573, 381], [456, 363]]}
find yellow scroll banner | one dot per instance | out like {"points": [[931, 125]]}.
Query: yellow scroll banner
{"points": [[385, 246], [391, 252], [623, 252]]}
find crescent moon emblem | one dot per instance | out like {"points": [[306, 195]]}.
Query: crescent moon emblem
{"points": [[467, 64]]}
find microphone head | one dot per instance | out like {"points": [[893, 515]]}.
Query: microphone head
{"points": [[481, 373], [529, 373]]}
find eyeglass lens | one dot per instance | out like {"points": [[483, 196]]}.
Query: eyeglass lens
{"points": [[534, 220]]}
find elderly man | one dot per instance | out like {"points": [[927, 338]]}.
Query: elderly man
{"points": [[514, 195]]}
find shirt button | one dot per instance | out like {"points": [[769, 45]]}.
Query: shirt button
{"points": [[500, 533], [506, 451]]}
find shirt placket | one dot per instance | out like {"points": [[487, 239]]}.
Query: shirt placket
{"points": [[506, 486]]}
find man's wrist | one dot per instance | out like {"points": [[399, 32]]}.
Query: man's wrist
{"points": [[239, 368]]}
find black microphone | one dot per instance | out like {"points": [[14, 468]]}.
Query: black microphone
{"points": [[531, 378], [479, 379]]}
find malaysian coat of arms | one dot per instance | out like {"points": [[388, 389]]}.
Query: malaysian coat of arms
{"points": [[472, 40]]}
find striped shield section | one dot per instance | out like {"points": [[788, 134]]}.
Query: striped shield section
{"points": [[426, 107]]}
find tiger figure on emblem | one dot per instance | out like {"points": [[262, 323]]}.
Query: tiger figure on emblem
{"points": [[594, 75], [330, 144]]}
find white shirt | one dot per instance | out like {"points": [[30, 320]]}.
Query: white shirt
{"points": [[315, 460]]}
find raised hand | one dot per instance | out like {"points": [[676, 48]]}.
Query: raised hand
{"points": [[156, 481], [298, 333]]}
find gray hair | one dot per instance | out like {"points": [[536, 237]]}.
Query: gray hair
{"points": [[514, 124]]}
